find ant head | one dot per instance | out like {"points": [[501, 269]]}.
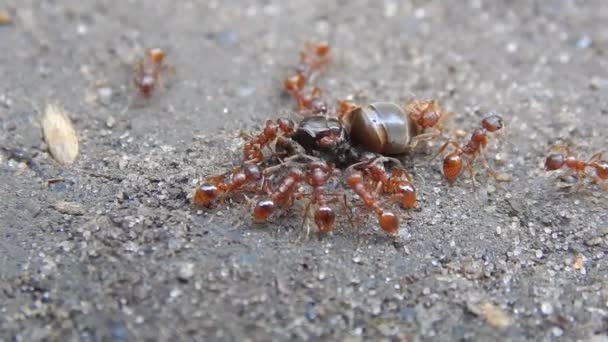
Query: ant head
{"points": [[156, 55], [322, 49], [429, 118], [554, 161], [601, 168], [492, 123], [286, 125], [294, 83]]}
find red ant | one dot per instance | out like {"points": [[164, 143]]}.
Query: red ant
{"points": [[317, 175], [148, 71], [398, 183], [215, 187], [426, 116], [566, 159], [283, 196], [387, 220], [312, 58], [453, 162], [253, 148]]}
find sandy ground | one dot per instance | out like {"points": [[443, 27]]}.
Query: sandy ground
{"points": [[128, 257]]}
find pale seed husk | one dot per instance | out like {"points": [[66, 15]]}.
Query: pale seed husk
{"points": [[60, 135]]}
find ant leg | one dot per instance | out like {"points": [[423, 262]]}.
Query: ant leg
{"points": [[471, 173], [345, 207], [486, 164], [245, 135], [433, 134], [443, 147], [306, 211], [561, 147], [348, 212], [596, 157]]}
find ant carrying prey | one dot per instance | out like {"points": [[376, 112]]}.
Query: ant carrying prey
{"points": [[334, 155]]}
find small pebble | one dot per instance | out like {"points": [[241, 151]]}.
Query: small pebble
{"points": [[546, 308], [583, 42], [104, 94], [186, 271], [557, 331], [110, 122]]}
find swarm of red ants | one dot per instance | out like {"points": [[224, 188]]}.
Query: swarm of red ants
{"points": [[332, 150]]}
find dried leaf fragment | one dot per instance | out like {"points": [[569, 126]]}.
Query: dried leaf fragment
{"points": [[60, 135]]}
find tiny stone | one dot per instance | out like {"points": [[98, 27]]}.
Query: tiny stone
{"points": [[511, 47], [498, 230], [186, 271], [583, 42], [596, 83], [122, 164], [110, 122], [104, 94], [426, 291], [546, 308], [69, 208], [539, 253], [594, 241], [557, 331], [245, 91], [82, 29], [357, 260], [175, 293]]}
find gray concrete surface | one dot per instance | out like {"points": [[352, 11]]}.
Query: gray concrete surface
{"points": [[134, 261]]}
